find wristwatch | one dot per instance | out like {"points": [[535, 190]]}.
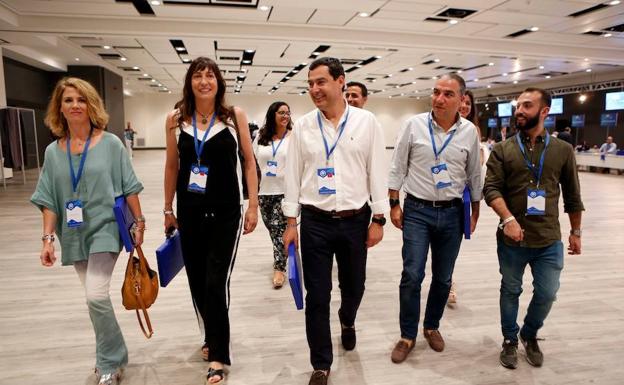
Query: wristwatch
{"points": [[576, 232], [379, 220], [48, 237], [394, 202]]}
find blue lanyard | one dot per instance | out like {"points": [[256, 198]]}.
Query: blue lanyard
{"points": [[199, 147], [537, 173], [437, 153], [275, 149], [341, 127], [83, 157]]}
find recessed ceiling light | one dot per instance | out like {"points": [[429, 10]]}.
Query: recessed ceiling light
{"points": [[547, 76], [250, 50], [364, 14], [377, 57], [541, 67], [180, 49], [153, 80], [186, 60], [460, 71], [505, 74], [155, 2], [614, 2], [490, 64], [588, 70], [264, 8], [586, 59], [106, 46], [475, 80], [77, 59], [436, 60], [159, 84], [607, 34], [534, 29], [304, 64], [515, 82], [123, 59], [246, 61], [169, 92], [389, 75], [410, 69], [135, 68], [434, 78], [414, 82], [582, 98], [145, 74], [453, 22], [489, 86]]}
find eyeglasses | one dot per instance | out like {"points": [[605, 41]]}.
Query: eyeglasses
{"points": [[283, 113]]}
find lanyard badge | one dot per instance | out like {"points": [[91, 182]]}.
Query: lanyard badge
{"points": [[272, 164], [198, 177], [326, 176], [440, 172], [74, 207], [536, 198]]}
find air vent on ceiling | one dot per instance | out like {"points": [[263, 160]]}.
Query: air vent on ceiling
{"points": [[588, 10], [110, 56], [475, 67], [235, 58], [279, 71], [439, 67], [593, 33], [519, 33], [436, 20], [454, 68], [131, 69], [428, 62], [456, 13], [142, 7], [424, 78], [615, 28], [349, 61]]}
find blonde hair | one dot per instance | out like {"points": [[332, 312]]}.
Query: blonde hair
{"points": [[95, 106]]}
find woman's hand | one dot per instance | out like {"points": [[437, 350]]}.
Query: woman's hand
{"points": [[47, 254], [170, 221], [251, 219], [138, 234]]}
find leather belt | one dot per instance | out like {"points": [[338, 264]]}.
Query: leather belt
{"points": [[442, 204], [336, 214]]}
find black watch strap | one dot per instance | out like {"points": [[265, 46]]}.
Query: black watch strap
{"points": [[394, 202], [379, 220]]}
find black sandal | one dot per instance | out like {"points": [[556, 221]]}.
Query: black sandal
{"points": [[213, 373], [204, 351]]}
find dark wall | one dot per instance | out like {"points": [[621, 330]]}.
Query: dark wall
{"points": [[592, 108]]}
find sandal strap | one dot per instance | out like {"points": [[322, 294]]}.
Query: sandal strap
{"points": [[215, 372]]}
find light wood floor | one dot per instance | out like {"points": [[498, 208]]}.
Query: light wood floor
{"points": [[46, 335]]}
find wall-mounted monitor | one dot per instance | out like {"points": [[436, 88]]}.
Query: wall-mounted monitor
{"points": [[608, 119], [556, 106], [549, 122], [492, 122], [578, 121], [614, 101], [504, 109], [506, 122]]}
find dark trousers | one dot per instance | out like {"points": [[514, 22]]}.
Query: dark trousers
{"points": [[424, 227], [209, 239], [321, 238]]}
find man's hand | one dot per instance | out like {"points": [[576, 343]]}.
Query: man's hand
{"points": [[575, 245], [375, 234], [396, 216], [514, 231]]}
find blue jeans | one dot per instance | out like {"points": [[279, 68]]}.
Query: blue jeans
{"points": [[546, 265], [423, 226]]}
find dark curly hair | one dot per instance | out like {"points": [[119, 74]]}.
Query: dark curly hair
{"points": [[268, 130]]}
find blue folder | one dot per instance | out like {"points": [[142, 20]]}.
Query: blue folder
{"points": [[466, 199], [125, 220], [294, 276], [169, 258]]}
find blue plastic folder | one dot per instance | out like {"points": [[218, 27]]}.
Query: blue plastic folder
{"points": [[125, 220], [169, 258], [294, 276], [466, 199]]}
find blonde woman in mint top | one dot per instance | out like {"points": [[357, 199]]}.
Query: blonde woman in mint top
{"points": [[83, 171], [270, 148]]}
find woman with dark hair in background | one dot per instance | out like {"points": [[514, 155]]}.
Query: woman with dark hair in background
{"points": [[468, 111], [270, 147], [204, 170]]}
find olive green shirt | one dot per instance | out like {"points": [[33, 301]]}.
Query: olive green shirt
{"points": [[107, 174], [509, 177]]}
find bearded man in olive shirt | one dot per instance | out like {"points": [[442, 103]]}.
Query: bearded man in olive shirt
{"points": [[522, 186]]}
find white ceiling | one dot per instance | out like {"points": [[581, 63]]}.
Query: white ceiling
{"points": [[52, 34]]}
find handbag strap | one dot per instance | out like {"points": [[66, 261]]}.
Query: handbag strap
{"points": [[143, 266]]}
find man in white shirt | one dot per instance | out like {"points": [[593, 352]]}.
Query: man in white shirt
{"points": [[335, 165], [608, 147], [436, 155]]}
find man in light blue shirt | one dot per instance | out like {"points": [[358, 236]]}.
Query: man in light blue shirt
{"points": [[436, 155], [609, 147]]}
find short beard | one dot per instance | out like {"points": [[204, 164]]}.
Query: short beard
{"points": [[529, 124]]}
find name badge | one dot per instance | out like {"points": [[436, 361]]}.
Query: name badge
{"points": [[198, 179], [441, 177], [536, 202], [73, 213], [326, 178], [272, 168]]}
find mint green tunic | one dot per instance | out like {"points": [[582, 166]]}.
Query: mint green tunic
{"points": [[107, 174]]}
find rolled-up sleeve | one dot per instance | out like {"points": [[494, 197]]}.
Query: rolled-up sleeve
{"points": [[45, 195], [292, 175], [473, 170], [495, 175], [400, 158], [129, 180], [570, 187], [377, 176]]}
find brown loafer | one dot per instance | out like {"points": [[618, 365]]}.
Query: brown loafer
{"points": [[401, 350], [435, 340], [319, 377]]}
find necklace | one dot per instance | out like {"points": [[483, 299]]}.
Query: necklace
{"points": [[204, 119]]}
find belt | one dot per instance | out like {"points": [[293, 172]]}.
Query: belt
{"points": [[336, 214], [442, 204]]}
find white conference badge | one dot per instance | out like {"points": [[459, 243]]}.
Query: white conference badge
{"points": [[198, 179], [73, 213], [441, 176], [272, 168], [536, 202], [326, 178]]}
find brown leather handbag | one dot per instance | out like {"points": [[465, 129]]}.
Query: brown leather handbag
{"points": [[140, 288]]}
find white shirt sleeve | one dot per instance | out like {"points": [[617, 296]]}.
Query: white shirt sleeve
{"points": [[400, 158], [473, 170], [293, 174], [377, 176]]}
